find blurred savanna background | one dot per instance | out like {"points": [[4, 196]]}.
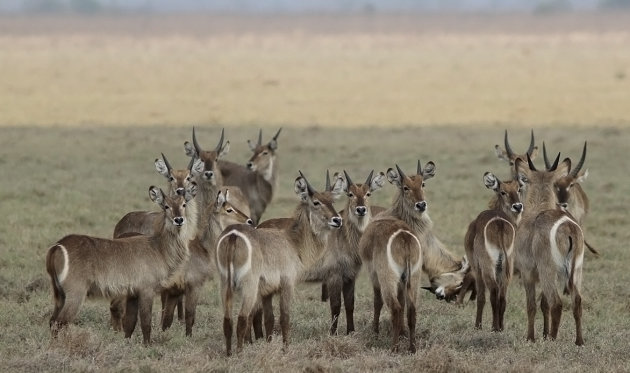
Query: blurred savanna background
{"points": [[92, 91]]}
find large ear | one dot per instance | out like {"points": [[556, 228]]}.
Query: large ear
{"points": [[393, 177], [429, 171], [378, 181], [224, 150], [563, 168], [522, 179], [252, 146], [491, 181], [190, 150], [465, 265], [301, 189], [582, 176], [197, 167], [221, 198], [191, 191], [534, 153], [161, 168], [501, 153], [338, 188], [339, 175], [156, 195]]}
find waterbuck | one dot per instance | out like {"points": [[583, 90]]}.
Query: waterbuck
{"points": [[258, 180], [261, 262], [397, 244], [137, 266], [569, 193], [489, 244], [549, 248], [510, 156]]}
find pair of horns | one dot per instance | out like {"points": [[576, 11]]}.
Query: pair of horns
{"points": [[198, 148], [275, 138], [310, 189], [508, 148], [549, 168], [168, 165], [368, 181], [577, 168], [418, 170]]}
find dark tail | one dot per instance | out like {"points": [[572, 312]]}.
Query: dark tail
{"points": [[570, 284], [58, 293], [591, 248]]}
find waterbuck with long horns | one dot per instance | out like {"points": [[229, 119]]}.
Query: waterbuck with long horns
{"points": [[258, 179], [489, 244], [569, 193], [262, 262], [510, 156], [137, 266], [397, 244], [549, 248]]}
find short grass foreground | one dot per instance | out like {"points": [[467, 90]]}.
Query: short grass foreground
{"points": [[57, 181]]}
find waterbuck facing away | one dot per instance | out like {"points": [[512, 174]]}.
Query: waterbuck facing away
{"points": [[137, 266], [258, 180], [261, 262], [489, 245], [549, 247], [397, 244]]}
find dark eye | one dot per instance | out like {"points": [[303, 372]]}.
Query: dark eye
{"points": [[405, 188], [184, 205], [350, 195], [316, 203], [166, 207], [368, 194], [265, 152], [503, 193], [423, 184], [230, 210], [171, 178]]}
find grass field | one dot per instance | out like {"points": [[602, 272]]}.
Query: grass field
{"points": [[87, 106]]}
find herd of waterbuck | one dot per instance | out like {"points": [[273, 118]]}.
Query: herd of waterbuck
{"points": [[209, 223]]}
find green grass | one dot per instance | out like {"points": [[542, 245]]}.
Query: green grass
{"points": [[57, 181]]}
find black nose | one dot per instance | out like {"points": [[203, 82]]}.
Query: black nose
{"points": [[518, 207], [336, 222], [250, 165], [439, 296], [564, 205], [421, 206], [361, 210], [208, 174], [180, 191], [250, 222], [178, 220]]}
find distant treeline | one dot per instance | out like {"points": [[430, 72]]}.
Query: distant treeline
{"points": [[304, 6]]}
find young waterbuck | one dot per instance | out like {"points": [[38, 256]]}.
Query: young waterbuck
{"points": [[137, 266], [262, 262], [489, 245], [397, 244], [549, 247], [257, 180]]}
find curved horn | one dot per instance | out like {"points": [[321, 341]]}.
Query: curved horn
{"points": [[400, 173], [348, 180], [419, 171], [547, 164], [195, 143], [530, 163], [555, 163], [220, 145], [368, 181], [311, 191], [577, 168], [168, 165], [277, 134], [508, 148], [531, 144], [328, 186], [260, 137]]}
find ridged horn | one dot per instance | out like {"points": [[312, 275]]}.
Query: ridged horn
{"points": [[547, 164], [348, 180], [555, 163], [260, 137], [328, 186], [419, 169], [577, 168], [400, 173], [168, 165], [195, 143], [310, 189], [531, 144], [277, 134], [508, 148], [530, 163], [220, 145], [368, 181]]}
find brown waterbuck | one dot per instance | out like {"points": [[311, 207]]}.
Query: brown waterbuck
{"points": [[569, 193], [261, 262], [510, 156], [489, 244], [341, 262], [549, 248], [136, 266], [143, 222], [397, 244], [257, 180]]}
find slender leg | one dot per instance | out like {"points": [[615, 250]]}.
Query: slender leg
{"points": [[145, 305], [131, 316], [268, 313], [397, 309], [378, 305], [494, 303], [334, 286], [116, 311], [348, 303], [285, 301], [324, 292], [481, 299], [577, 315], [257, 322], [168, 309], [411, 317], [546, 312], [530, 296], [502, 305], [556, 314], [180, 308], [190, 307]]}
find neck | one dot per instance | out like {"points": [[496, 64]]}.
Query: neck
{"points": [[172, 242], [308, 237]]}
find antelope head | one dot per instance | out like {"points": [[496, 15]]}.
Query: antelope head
{"points": [[447, 285], [210, 172], [320, 208], [228, 214], [174, 206], [510, 156], [508, 194], [411, 188], [540, 189], [358, 196], [264, 156], [179, 180], [564, 184]]}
